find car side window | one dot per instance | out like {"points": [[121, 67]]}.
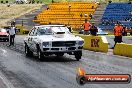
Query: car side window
{"points": [[35, 32]]}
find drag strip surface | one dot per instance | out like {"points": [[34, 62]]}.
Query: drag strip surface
{"points": [[58, 72]]}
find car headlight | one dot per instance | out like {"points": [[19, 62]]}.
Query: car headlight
{"points": [[80, 42], [45, 44]]}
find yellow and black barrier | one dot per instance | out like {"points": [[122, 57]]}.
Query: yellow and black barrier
{"points": [[95, 43], [123, 49]]}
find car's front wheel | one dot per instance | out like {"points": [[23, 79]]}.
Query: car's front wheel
{"points": [[40, 55], [78, 55], [28, 52]]}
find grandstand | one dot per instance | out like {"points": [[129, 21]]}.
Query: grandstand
{"points": [[74, 13], [117, 12], [68, 13]]}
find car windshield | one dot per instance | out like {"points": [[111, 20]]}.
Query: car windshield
{"points": [[3, 30], [45, 31], [52, 30]]}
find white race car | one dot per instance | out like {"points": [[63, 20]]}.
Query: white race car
{"points": [[46, 40]]}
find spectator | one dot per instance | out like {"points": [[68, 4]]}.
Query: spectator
{"points": [[33, 1], [129, 2], [49, 22], [2, 2], [93, 30], [35, 18], [130, 31], [92, 7], [124, 31], [80, 31], [131, 19], [91, 16], [13, 23], [118, 33], [8, 5], [47, 8], [12, 35], [6, 1], [110, 1], [37, 2], [103, 22], [87, 26], [52, 1]]}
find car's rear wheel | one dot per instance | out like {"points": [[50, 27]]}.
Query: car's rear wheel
{"points": [[28, 52]]}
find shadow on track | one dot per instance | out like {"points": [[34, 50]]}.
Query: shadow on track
{"points": [[52, 59]]}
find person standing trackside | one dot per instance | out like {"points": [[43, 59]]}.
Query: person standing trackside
{"points": [[124, 31], [93, 30], [87, 26], [130, 31], [12, 35], [118, 33]]}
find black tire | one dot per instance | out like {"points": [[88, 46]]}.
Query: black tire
{"points": [[40, 55], [28, 52], [59, 54], [78, 55]]}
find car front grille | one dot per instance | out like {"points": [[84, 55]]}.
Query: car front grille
{"points": [[63, 43]]}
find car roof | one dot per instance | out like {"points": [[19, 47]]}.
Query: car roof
{"points": [[50, 26]]}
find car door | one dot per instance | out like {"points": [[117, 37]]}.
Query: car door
{"points": [[34, 40], [30, 39]]}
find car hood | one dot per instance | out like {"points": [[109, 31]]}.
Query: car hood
{"points": [[65, 37]]}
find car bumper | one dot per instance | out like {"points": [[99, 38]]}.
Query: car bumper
{"points": [[62, 49]]}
